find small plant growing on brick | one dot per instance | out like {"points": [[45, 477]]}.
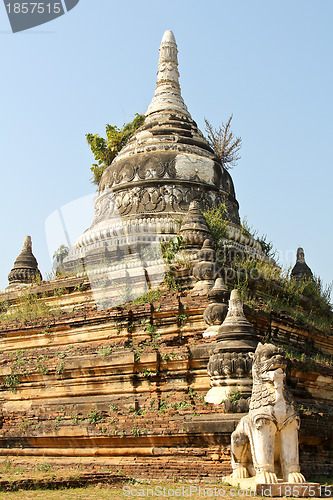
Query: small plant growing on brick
{"points": [[168, 356], [163, 406], [234, 395], [147, 372], [130, 327], [24, 425], [181, 405], [152, 404], [11, 382], [171, 282], [95, 416], [80, 287], [191, 392], [150, 297], [105, 351], [150, 328], [40, 365], [201, 399], [118, 326], [74, 419], [181, 319], [44, 467], [60, 291], [7, 465], [60, 368]]}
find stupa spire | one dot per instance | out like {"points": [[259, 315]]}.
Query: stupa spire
{"points": [[167, 94]]}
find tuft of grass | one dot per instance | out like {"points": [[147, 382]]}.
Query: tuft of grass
{"points": [[105, 351], [151, 296], [44, 467], [306, 301], [234, 395], [150, 328], [181, 319], [181, 405], [95, 416], [147, 372], [11, 381], [29, 308]]}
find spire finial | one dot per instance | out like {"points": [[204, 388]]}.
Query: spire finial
{"points": [[167, 93], [300, 255], [168, 60], [27, 244]]}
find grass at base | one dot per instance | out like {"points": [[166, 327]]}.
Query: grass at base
{"points": [[132, 489], [127, 490]]}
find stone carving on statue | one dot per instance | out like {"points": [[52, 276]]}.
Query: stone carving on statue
{"points": [[216, 311], [265, 442]]}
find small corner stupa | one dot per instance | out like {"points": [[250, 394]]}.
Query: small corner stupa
{"points": [[230, 364], [147, 190], [301, 270], [25, 269]]}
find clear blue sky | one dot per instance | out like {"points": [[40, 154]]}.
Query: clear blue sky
{"points": [[267, 62]]}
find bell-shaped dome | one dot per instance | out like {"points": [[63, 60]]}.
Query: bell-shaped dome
{"points": [[148, 187]]}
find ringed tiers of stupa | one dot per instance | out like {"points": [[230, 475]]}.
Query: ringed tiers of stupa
{"points": [[148, 188]]}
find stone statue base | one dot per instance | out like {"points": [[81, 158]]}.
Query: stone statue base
{"points": [[279, 489]]}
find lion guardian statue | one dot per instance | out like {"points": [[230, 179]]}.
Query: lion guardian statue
{"points": [[265, 442]]}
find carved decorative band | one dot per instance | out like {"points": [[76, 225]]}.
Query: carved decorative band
{"points": [[169, 182], [225, 365], [164, 199]]}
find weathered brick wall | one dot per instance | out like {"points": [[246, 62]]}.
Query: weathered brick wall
{"points": [[127, 384]]}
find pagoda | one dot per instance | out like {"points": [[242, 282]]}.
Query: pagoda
{"points": [[146, 191], [109, 387]]}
